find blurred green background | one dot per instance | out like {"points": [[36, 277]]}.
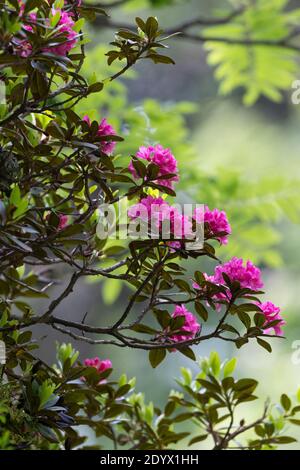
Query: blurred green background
{"points": [[244, 160]]}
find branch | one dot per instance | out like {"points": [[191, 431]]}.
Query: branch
{"points": [[46, 316], [243, 42], [147, 279], [202, 21], [106, 22], [117, 3], [241, 429], [181, 31]]}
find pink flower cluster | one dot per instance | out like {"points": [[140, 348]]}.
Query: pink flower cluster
{"points": [[217, 222], [97, 363], [157, 210], [272, 313], [160, 215], [161, 157], [191, 326], [65, 25], [248, 275], [104, 129]]}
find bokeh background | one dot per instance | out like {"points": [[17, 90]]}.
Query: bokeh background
{"points": [[244, 160]]}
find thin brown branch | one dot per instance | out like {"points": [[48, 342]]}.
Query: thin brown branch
{"points": [[54, 304], [115, 4]]}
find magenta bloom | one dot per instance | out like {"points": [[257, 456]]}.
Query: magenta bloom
{"points": [[163, 158], [162, 219], [272, 313], [248, 275], [63, 221], [217, 220], [65, 25], [149, 207], [191, 326], [104, 129], [96, 362]]}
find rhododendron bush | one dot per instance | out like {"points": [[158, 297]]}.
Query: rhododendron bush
{"points": [[58, 166]]}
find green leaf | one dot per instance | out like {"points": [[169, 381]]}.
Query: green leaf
{"points": [[169, 408], [214, 362], [188, 352], [111, 290], [259, 319], [141, 24], [15, 196], [264, 344], [197, 439], [284, 440], [160, 59], [144, 329], [156, 356], [201, 310], [245, 384], [151, 27], [259, 69], [229, 367], [285, 402], [245, 319]]}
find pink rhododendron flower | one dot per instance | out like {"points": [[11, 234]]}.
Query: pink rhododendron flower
{"points": [[104, 129], [163, 158], [145, 209], [248, 275], [65, 25], [191, 326], [217, 220], [63, 221], [97, 363], [272, 313], [162, 218]]}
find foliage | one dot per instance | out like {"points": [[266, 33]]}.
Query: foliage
{"points": [[255, 206], [45, 408], [259, 69], [253, 46]]}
